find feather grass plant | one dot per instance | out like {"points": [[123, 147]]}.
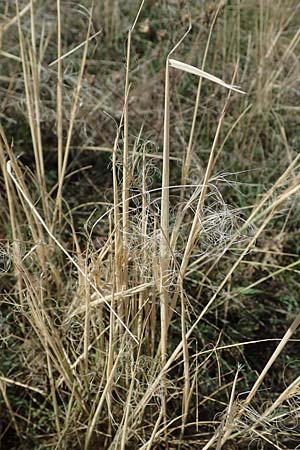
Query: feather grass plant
{"points": [[133, 297]]}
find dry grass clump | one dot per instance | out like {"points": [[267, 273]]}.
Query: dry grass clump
{"points": [[148, 254]]}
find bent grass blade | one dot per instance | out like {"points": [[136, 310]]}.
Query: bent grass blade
{"points": [[201, 73]]}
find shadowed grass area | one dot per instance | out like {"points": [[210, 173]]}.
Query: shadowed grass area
{"points": [[149, 223]]}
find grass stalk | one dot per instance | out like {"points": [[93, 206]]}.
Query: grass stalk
{"points": [[59, 101], [126, 173], [71, 125], [31, 83], [189, 151]]}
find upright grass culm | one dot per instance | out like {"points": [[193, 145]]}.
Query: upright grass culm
{"points": [[59, 100]]}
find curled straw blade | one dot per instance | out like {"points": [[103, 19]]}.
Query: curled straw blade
{"points": [[194, 70]]}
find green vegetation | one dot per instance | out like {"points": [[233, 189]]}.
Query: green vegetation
{"points": [[149, 243]]}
